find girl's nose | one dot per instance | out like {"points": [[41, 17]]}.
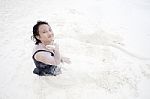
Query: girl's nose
{"points": [[50, 33]]}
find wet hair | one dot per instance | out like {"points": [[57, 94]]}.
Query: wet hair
{"points": [[36, 31]]}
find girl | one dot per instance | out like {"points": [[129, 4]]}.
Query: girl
{"points": [[46, 54]]}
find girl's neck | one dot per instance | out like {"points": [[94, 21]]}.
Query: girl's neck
{"points": [[43, 45]]}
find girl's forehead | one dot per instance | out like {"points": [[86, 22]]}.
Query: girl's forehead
{"points": [[44, 27]]}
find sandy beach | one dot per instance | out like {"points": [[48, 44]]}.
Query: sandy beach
{"points": [[107, 42]]}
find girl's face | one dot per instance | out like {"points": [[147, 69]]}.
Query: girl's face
{"points": [[46, 35]]}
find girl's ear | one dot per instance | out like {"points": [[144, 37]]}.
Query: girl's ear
{"points": [[38, 37]]}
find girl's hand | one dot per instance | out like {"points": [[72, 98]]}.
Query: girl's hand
{"points": [[56, 46], [50, 47], [53, 47], [66, 60]]}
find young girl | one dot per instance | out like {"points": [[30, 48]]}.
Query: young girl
{"points": [[46, 53]]}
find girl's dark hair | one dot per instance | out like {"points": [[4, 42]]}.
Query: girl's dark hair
{"points": [[36, 31]]}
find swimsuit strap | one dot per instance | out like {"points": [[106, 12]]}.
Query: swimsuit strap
{"points": [[52, 54]]}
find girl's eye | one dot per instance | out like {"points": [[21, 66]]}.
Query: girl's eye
{"points": [[45, 31]]}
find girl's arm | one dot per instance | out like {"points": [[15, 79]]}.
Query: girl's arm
{"points": [[57, 54], [57, 57], [45, 57]]}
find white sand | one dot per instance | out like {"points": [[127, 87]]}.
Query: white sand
{"points": [[106, 40]]}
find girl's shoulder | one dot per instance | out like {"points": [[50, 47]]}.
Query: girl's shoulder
{"points": [[36, 48]]}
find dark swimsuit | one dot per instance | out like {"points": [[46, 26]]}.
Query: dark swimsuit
{"points": [[43, 69]]}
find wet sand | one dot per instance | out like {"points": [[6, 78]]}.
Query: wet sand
{"points": [[107, 42]]}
